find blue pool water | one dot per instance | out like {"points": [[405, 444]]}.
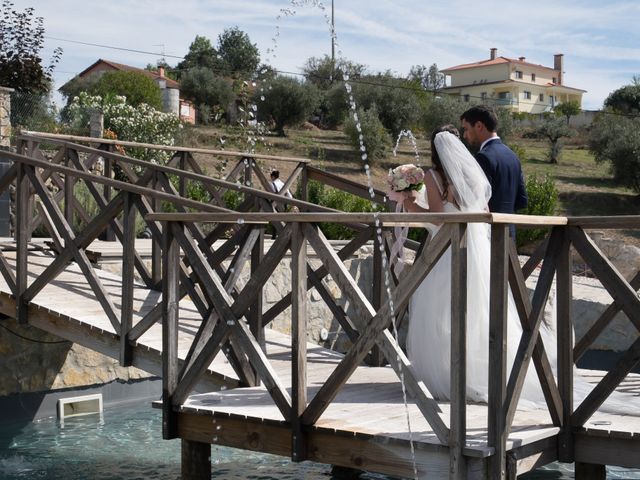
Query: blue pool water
{"points": [[129, 445]]}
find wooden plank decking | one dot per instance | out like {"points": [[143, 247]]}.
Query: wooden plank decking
{"points": [[368, 418]]}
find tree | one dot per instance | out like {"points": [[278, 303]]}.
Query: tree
{"points": [[568, 109], [21, 40], [428, 78], [398, 104], [625, 99], [288, 102], [616, 139], [237, 56], [136, 86], [77, 84], [442, 110], [375, 136], [211, 94], [201, 54], [554, 129], [323, 72]]}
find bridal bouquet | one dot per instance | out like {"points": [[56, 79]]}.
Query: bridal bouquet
{"points": [[402, 180], [405, 177]]}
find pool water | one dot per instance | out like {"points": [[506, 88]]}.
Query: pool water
{"points": [[129, 445]]}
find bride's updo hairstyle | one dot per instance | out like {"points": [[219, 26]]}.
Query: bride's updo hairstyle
{"points": [[435, 158]]}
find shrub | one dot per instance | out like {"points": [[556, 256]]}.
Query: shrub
{"points": [[616, 139], [138, 124], [543, 197], [371, 132]]}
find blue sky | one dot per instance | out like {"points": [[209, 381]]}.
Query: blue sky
{"points": [[600, 39]]}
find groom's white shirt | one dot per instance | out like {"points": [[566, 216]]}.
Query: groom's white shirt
{"points": [[487, 141]]}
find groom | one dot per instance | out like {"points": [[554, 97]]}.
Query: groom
{"points": [[499, 163]]}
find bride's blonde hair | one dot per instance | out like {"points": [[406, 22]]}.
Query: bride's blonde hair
{"points": [[435, 158]]}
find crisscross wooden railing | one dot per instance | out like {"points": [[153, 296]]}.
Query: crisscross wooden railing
{"points": [[368, 325]]}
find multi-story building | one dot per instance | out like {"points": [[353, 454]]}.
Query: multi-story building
{"points": [[518, 84]]}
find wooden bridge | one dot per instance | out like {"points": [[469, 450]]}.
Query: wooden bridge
{"points": [[193, 319]]}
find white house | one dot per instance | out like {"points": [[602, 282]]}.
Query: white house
{"points": [[518, 84]]}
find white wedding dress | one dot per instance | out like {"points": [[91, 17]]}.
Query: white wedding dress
{"points": [[429, 333]]}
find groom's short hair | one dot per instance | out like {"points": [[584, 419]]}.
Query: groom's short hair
{"points": [[481, 113]]}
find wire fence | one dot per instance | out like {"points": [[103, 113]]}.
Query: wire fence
{"points": [[33, 112]]}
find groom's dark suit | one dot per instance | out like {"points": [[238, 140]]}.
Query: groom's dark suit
{"points": [[503, 170]]}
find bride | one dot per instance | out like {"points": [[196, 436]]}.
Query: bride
{"points": [[456, 183]]}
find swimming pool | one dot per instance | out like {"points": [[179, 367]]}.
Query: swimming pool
{"points": [[129, 445]]}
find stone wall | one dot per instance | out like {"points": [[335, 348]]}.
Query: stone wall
{"points": [[35, 361]]}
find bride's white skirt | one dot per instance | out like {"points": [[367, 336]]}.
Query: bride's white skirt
{"points": [[429, 334]]}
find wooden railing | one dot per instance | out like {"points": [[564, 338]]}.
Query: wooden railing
{"points": [[369, 325], [214, 287], [46, 183]]}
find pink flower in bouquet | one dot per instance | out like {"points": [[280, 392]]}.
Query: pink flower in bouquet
{"points": [[404, 178]]}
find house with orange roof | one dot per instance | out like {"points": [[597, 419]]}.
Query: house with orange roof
{"points": [[169, 88], [514, 83]]}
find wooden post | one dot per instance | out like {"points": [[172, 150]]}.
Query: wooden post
{"points": [[298, 340], [156, 250], [247, 171], [196, 460], [109, 235], [496, 435], [128, 270], [376, 358], [255, 314], [23, 219], [170, 316], [590, 471], [304, 183], [182, 186], [68, 190], [458, 419], [564, 333]]}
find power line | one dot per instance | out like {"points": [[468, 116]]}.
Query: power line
{"points": [[114, 48]]}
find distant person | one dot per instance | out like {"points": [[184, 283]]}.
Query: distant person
{"points": [[499, 163], [277, 185]]}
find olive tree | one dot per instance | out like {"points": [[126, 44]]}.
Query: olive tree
{"points": [[287, 102]]}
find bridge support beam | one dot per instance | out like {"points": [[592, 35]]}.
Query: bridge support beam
{"points": [[196, 460]]}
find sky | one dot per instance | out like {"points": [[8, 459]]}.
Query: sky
{"points": [[600, 39]]}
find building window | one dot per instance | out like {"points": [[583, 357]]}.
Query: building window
{"points": [[466, 97], [551, 100], [518, 74], [527, 95], [503, 95], [553, 80], [483, 96], [533, 77], [541, 97]]}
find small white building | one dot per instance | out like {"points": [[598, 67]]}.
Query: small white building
{"points": [[518, 84]]}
